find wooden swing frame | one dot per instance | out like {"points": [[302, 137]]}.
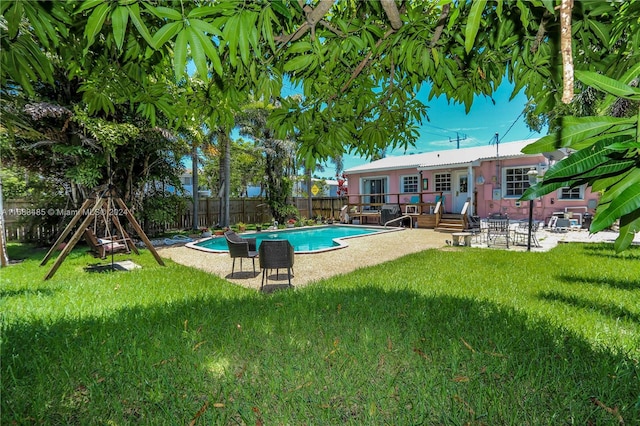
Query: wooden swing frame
{"points": [[95, 206]]}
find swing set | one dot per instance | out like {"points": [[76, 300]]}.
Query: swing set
{"points": [[103, 211]]}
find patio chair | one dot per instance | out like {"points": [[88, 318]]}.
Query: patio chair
{"points": [[497, 228], [521, 233], [242, 248], [275, 254]]}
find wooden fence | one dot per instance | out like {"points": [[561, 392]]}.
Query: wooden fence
{"points": [[17, 214], [252, 210]]}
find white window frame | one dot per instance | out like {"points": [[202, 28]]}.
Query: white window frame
{"points": [[438, 182], [404, 184], [524, 181], [580, 190]]}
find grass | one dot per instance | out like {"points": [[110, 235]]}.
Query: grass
{"points": [[440, 337]]}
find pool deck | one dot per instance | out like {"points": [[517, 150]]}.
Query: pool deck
{"points": [[361, 252]]}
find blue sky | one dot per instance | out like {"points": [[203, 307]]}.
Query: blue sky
{"points": [[448, 121]]}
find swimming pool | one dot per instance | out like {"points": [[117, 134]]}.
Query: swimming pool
{"points": [[304, 240]]}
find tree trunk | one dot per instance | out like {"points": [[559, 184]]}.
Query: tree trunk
{"points": [[194, 186], [309, 193], [4, 259], [225, 171]]}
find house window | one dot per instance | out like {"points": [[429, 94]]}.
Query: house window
{"points": [[516, 181], [186, 180], [567, 193], [442, 182], [409, 184]]}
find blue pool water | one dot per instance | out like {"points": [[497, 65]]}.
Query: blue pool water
{"points": [[303, 240]]}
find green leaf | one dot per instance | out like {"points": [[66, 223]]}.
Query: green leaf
{"points": [[205, 27], [579, 162], [607, 182], [473, 23], [608, 85], [88, 4], [13, 18], [576, 130], [167, 12], [298, 63], [243, 39], [614, 191], [166, 33], [543, 188], [210, 50], [299, 47], [41, 27], [197, 53], [629, 227], [180, 54], [436, 56], [601, 31], [266, 28], [279, 7], [134, 15], [627, 202], [119, 21], [547, 143], [95, 22], [231, 35], [611, 167], [202, 11]]}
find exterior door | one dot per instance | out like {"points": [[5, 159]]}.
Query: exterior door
{"points": [[461, 191], [375, 189]]}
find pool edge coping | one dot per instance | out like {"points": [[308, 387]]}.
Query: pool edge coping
{"points": [[339, 241]]}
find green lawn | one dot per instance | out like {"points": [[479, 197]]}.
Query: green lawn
{"points": [[474, 336]]}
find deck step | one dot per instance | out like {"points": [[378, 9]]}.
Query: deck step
{"points": [[451, 223]]}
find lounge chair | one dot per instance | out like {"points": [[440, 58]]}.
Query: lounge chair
{"points": [[276, 254], [242, 248]]}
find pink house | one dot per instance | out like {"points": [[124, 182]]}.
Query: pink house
{"points": [[491, 178]]}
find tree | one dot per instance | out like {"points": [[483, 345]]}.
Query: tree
{"points": [[279, 157], [359, 64]]}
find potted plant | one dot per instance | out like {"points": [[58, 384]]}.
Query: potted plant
{"points": [[258, 227], [205, 232], [241, 226], [291, 223], [218, 231]]}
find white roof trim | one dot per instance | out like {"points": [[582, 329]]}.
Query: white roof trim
{"points": [[462, 157]]}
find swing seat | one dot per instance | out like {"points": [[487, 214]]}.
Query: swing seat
{"points": [[101, 246]]}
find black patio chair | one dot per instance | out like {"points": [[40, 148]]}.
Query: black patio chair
{"points": [[242, 248], [275, 254]]}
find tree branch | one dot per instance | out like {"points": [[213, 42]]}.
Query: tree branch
{"points": [[313, 16], [442, 21], [391, 84], [331, 28], [365, 61], [565, 47], [541, 31], [391, 10]]}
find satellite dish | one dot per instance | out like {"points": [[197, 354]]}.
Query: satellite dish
{"points": [[556, 155]]}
